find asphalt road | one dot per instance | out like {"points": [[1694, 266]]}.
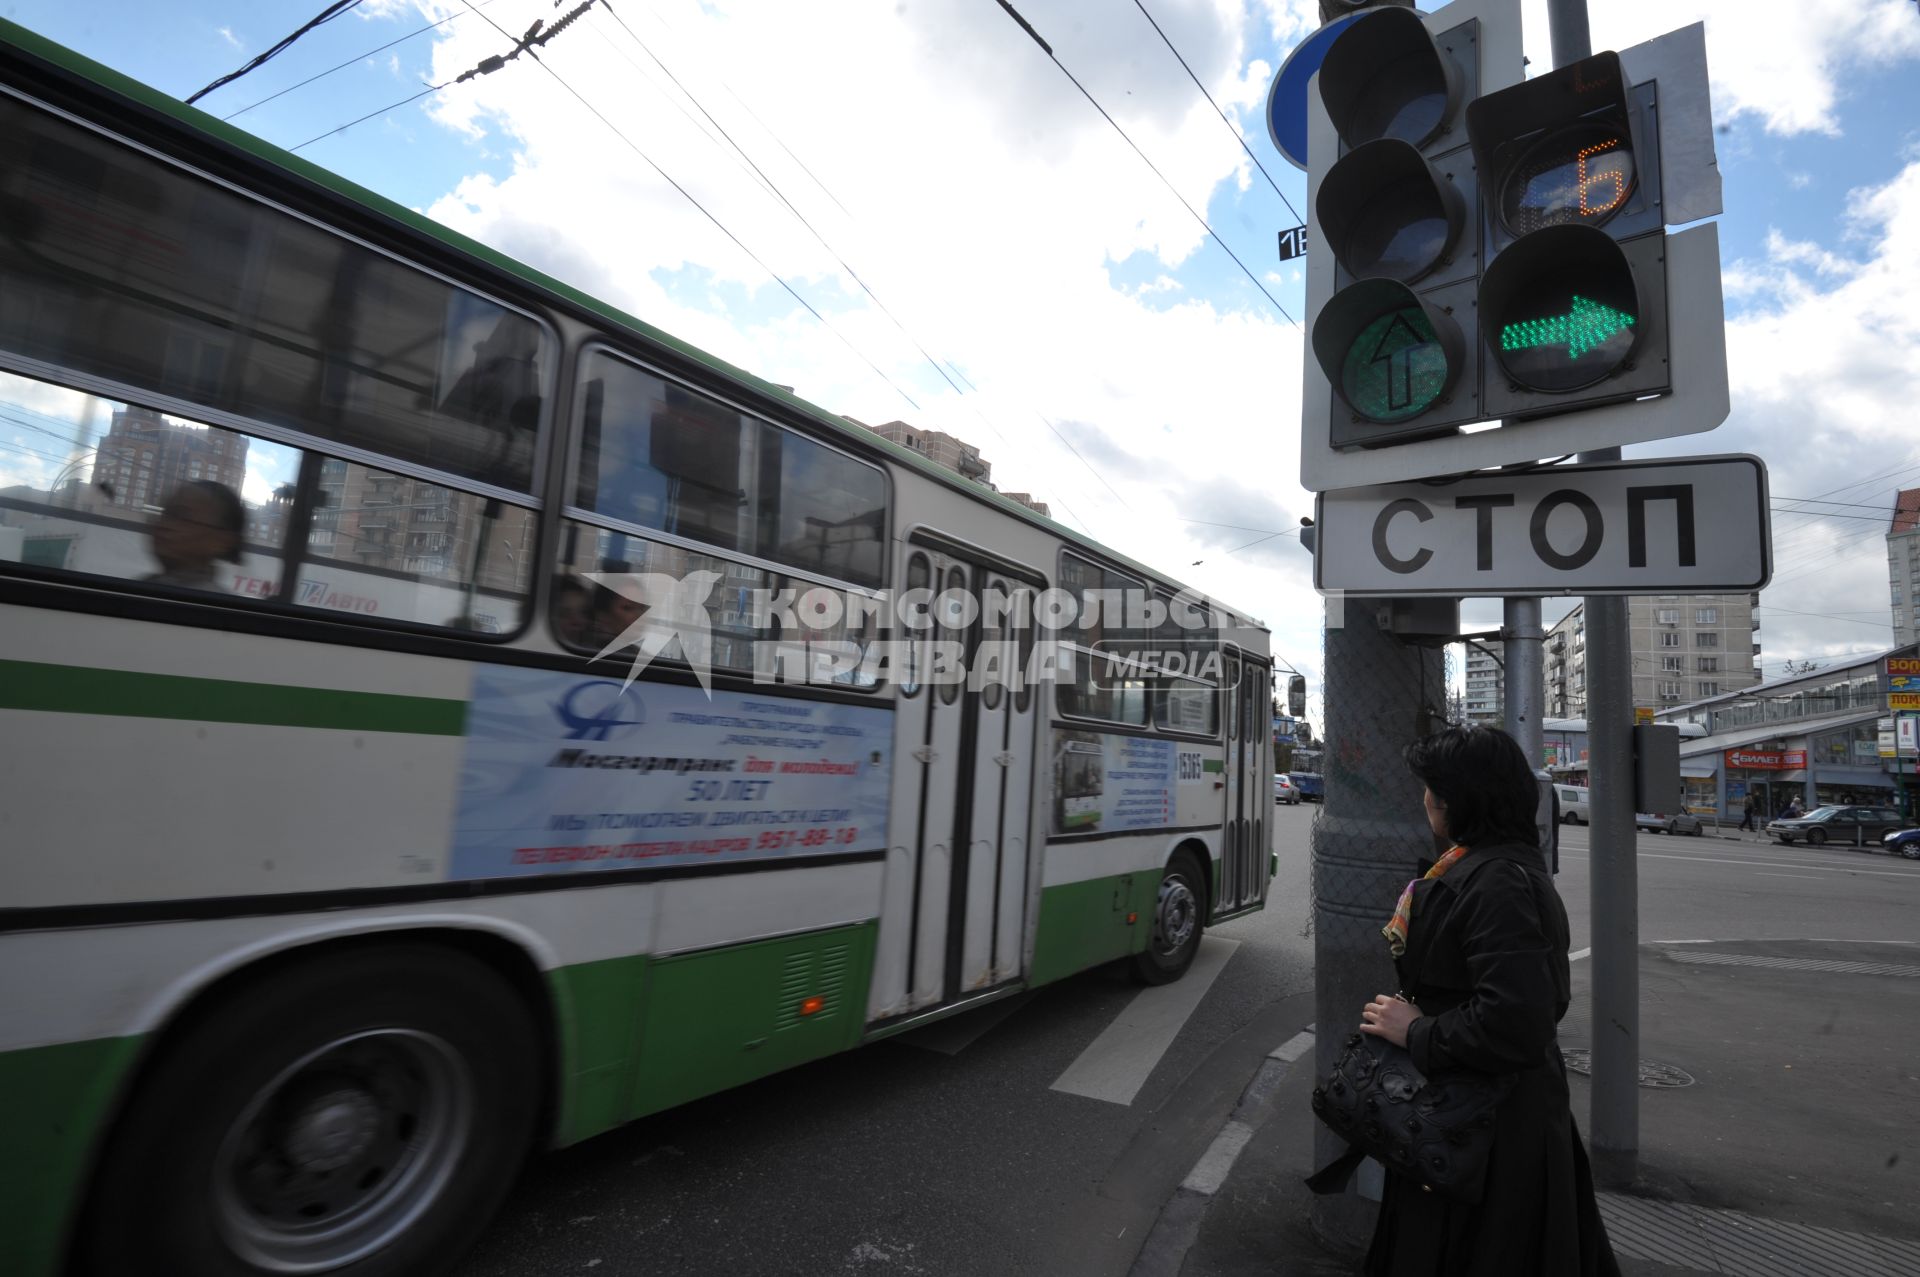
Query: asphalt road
{"points": [[957, 1152], [1711, 888]]}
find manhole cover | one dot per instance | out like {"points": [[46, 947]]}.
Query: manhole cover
{"points": [[1651, 1074]]}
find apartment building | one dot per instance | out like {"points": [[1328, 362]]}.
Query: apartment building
{"points": [[1685, 648], [1486, 698], [955, 454], [1903, 565]]}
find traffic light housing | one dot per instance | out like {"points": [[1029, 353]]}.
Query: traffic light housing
{"points": [[1490, 281], [1573, 300], [1398, 208]]}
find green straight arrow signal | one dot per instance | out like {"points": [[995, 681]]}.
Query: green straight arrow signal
{"points": [[1588, 325]]}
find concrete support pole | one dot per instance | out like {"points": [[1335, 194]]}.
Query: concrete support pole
{"points": [[1525, 683], [1367, 844]]}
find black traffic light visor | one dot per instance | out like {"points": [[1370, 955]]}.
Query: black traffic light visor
{"points": [[1389, 356], [1385, 77], [1560, 309], [1387, 213]]}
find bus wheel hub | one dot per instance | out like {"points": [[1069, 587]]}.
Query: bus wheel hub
{"points": [[1175, 915], [332, 1130]]}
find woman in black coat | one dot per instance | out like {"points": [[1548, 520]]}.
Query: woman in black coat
{"points": [[1480, 946]]}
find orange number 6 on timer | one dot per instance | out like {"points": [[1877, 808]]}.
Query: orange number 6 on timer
{"points": [[1614, 175]]}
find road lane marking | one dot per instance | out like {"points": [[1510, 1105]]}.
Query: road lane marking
{"points": [[1771, 864], [1116, 1064], [1210, 1172], [1796, 964], [1808, 877]]}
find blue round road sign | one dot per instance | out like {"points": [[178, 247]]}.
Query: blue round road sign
{"points": [[1287, 103]]}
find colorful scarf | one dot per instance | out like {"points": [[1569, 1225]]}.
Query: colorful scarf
{"points": [[1396, 929]]}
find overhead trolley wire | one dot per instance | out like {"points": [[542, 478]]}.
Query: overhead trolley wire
{"points": [[844, 265], [689, 196], [326, 15], [1052, 57], [355, 61], [536, 36], [1231, 127]]}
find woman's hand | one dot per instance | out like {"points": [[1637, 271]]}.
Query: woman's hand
{"points": [[1388, 1016]]}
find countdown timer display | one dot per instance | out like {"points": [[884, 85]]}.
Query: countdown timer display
{"points": [[1580, 175]]}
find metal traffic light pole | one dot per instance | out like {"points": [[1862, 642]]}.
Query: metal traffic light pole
{"points": [[1614, 1118]]}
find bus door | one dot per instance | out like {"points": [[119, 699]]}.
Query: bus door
{"points": [[1248, 794], [1256, 778], [954, 910], [1232, 840]]}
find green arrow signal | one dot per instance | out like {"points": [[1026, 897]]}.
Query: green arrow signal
{"points": [[1588, 325]]}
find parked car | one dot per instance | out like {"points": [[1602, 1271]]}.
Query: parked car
{"points": [[1903, 842], [1855, 826], [1310, 784], [1660, 823], [1573, 804], [1284, 790]]}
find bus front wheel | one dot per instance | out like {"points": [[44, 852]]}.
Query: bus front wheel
{"points": [[365, 1112], [1179, 916]]}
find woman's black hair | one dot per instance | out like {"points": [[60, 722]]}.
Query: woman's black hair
{"points": [[1481, 774]]}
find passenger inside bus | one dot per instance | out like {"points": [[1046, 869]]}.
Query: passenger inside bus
{"points": [[200, 525], [571, 604], [610, 615]]}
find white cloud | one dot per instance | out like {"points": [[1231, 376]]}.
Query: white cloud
{"points": [[1823, 360], [1784, 61], [226, 33]]}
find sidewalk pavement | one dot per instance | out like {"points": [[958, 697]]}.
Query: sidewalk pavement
{"points": [[1779, 1113]]}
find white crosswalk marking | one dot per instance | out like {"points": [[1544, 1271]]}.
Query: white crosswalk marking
{"points": [[1116, 1064]]}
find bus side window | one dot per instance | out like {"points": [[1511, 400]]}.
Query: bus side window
{"points": [[110, 489], [398, 548]]}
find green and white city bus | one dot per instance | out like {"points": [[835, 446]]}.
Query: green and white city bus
{"points": [[336, 873]]}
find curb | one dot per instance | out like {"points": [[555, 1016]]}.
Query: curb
{"points": [[1177, 1226]]}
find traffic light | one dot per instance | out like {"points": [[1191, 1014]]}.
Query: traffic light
{"points": [[1573, 301], [1398, 208], [1490, 251]]}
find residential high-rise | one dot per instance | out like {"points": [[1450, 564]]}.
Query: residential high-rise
{"points": [[144, 456], [1486, 690], [1903, 565], [955, 454], [1685, 648]]}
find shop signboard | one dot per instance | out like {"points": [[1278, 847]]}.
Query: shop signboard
{"points": [[1903, 682], [1767, 760], [1909, 734]]}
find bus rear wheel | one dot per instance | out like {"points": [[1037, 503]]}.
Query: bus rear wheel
{"points": [[1179, 917], [364, 1113]]}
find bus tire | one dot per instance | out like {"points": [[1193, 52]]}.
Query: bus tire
{"points": [[362, 1113], [1179, 918]]}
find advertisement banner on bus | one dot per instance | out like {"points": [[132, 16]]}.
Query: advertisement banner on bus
{"points": [[1113, 784], [564, 773]]}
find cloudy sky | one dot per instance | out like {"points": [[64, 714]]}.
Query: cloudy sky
{"points": [[979, 251]]}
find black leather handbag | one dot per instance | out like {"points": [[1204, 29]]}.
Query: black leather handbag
{"points": [[1437, 1131]]}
